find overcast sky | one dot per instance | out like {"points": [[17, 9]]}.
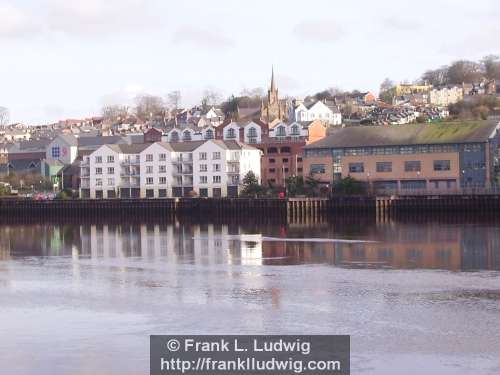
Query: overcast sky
{"points": [[66, 58]]}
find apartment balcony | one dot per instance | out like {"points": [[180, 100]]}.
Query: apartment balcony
{"points": [[85, 184], [84, 176], [183, 159], [85, 163], [187, 171], [131, 162], [233, 171]]}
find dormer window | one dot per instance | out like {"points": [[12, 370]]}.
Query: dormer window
{"points": [[281, 131]]}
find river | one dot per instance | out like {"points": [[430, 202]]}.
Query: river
{"points": [[417, 296]]}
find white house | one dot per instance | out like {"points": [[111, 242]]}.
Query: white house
{"points": [[286, 131], [315, 111]]}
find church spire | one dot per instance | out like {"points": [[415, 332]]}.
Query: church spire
{"points": [[273, 83]]}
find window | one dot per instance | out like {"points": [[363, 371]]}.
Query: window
{"points": [[149, 181], [216, 167], [299, 170], [272, 161], [286, 170], [272, 150], [203, 179], [174, 137], [203, 156], [472, 147], [317, 168], [203, 168], [162, 169], [231, 133], [285, 150], [163, 180], [98, 182], [407, 150], [295, 130], [209, 134], [149, 169], [285, 160], [442, 165], [272, 170], [356, 167], [98, 159], [216, 179], [186, 136], [111, 170], [163, 157], [111, 159], [111, 182], [149, 157], [281, 131], [216, 156], [384, 166], [252, 133], [417, 184], [412, 166], [98, 171], [299, 160], [56, 152]]}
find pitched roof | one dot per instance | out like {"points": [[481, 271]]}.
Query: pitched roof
{"points": [[134, 148], [393, 135], [99, 141], [69, 139], [232, 144], [186, 146]]}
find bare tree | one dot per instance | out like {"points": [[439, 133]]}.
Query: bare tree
{"points": [[386, 85], [387, 92], [174, 99], [112, 113], [257, 92], [491, 66], [464, 71], [436, 77], [210, 98], [149, 106], [4, 116]]}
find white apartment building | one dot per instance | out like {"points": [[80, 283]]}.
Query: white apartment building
{"points": [[212, 168], [444, 96]]}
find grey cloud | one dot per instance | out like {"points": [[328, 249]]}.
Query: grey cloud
{"points": [[318, 31], [204, 38]]}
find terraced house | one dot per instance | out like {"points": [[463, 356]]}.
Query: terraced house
{"points": [[436, 157]]}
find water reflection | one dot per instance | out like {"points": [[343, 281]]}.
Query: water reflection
{"points": [[402, 245]]}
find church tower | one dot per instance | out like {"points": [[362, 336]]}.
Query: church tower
{"points": [[272, 108]]}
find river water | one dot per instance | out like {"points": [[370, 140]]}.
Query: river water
{"points": [[417, 296]]}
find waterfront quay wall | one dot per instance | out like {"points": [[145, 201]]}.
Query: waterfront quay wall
{"points": [[292, 209], [189, 207]]}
